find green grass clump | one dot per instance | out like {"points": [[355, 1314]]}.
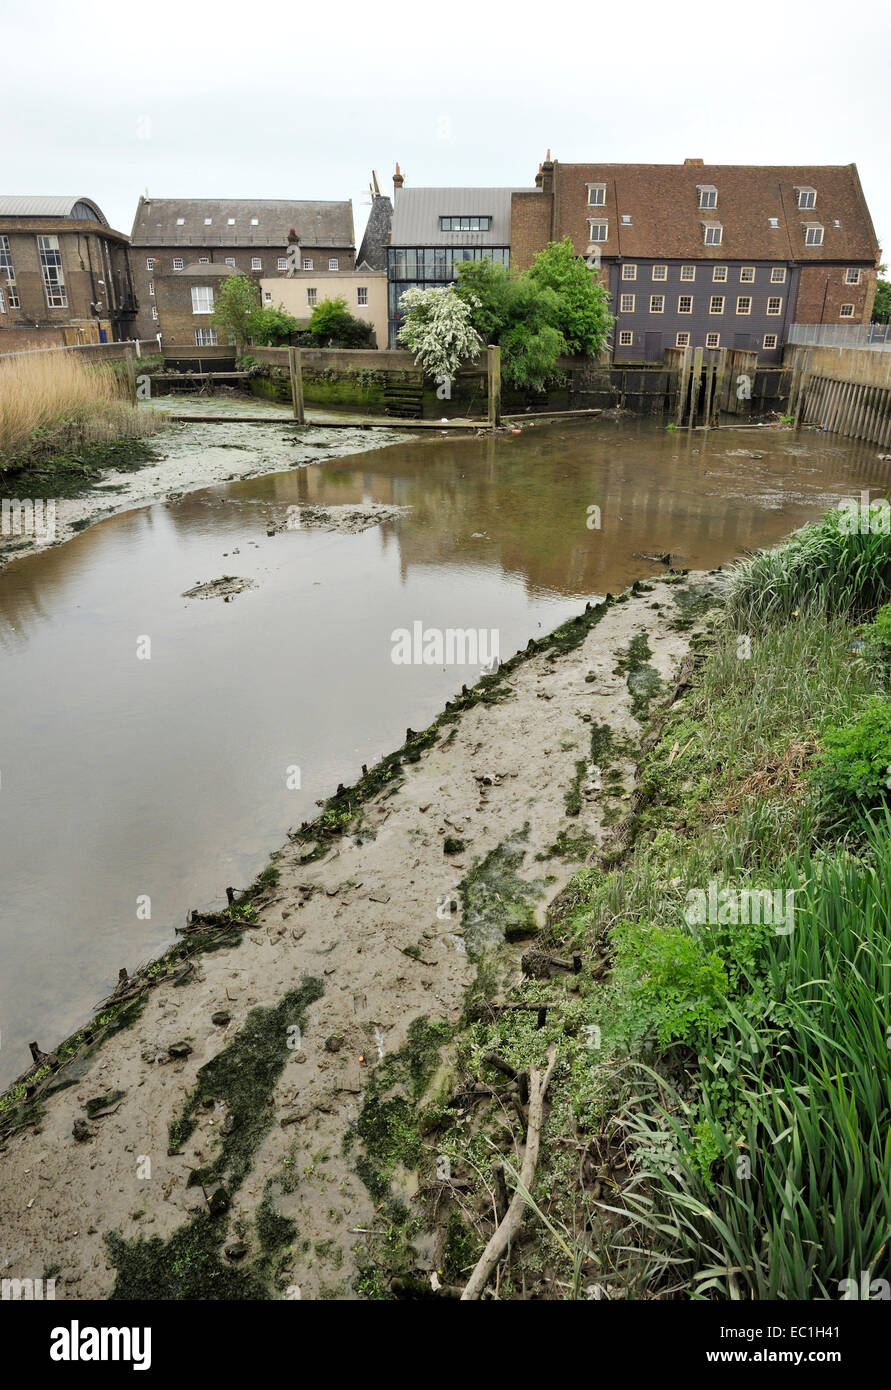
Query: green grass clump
{"points": [[826, 569]]}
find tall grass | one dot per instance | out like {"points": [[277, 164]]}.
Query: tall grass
{"points": [[51, 403], [795, 1105], [823, 569]]}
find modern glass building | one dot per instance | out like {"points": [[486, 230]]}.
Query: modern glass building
{"points": [[434, 229]]}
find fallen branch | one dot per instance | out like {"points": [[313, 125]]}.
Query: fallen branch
{"points": [[509, 1227]]}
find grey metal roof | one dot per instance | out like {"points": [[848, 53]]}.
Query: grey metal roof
{"points": [[316, 224], [417, 211], [15, 205]]}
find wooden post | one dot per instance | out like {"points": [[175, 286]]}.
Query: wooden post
{"points": [[718, 398], [131, 371], [682, 386], [295, 368], [494, 372], [695, 384], [707, 404]]}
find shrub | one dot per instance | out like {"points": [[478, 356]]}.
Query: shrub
{"points": [[877, 642], [332, 325], [854, 772]]}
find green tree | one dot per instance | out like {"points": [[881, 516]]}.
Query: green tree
{"points": [[583, 318], [520, 315], [332, 325], [271, 326], [236, 304], [881, 309], [437, 327]]}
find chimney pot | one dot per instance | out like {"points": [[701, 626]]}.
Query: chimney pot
{"points": [[398, 178], [698, 162]]}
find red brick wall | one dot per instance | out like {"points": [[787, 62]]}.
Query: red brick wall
{"points": [[530, 227], [822, 292]]}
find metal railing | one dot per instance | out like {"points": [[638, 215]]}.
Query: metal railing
{"points": [[841, 335]]}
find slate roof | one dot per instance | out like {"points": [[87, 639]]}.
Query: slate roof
{"points": [[416, 214], [662, 202], [316, 223], [373, 251]]}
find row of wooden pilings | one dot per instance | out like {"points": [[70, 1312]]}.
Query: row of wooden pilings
{"points": [[849, 408]]}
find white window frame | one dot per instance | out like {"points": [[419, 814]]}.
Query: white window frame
{"points": [[206, 337], [52, 271], [660, 272], [598, 230], [686, 337], [719, 274], [747, 275], [744, 299], [2, 302], [626, 337], [813, 233], [362, 296], [177, 263], [255, 221], [681, 298], [629, 272], [626, 303], [282, 263], [596, 202], [307, 263], [333, 263], [204, 260], [180, 221], [149, 262], [712, 235], [842, 314], [661, 307], [776, 299], [768, 345], [807, 198], [852, 271], [208, 221], [708, 196], [202, 299], [230, 221], [312, 297], [230, 260], [717, 340], [716, 299], [151, 289], [256, 263], [778, 275], [686, 277], [155, 313]]}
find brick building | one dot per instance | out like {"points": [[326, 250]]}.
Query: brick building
{"points": [[249, 237], [711, 255], [64, 273]]}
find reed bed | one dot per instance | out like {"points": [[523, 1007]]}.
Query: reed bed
{"points": [[53, 403]]}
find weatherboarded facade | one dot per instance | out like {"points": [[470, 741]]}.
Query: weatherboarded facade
{"points": [[250, 237], [710, 255]]}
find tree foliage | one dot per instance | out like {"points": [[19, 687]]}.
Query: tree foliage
{"points": [[332, 325], [438, 329], [236, 303], [881, 309], [583, 315]]}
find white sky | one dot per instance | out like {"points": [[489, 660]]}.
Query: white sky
{"points": [[302, 101]]}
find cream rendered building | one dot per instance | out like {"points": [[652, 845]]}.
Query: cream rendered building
{"points": [[365, 293]]}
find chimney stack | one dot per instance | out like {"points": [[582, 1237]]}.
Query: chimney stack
{"points": [[538, 178], [697, 162], [547, 174], [398, 180]]}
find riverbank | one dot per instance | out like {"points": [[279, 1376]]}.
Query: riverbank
{"points": [[106, 479], [219, 1125]]}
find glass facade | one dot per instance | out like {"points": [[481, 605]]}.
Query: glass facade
{"points": [[430, 267]]}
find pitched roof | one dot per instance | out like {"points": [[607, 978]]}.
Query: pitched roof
{"points": [[254, 222], [22, 205], [417, 211], [662, 203], [373, 251]]}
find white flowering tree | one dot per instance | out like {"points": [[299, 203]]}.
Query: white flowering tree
{"points": [[437, 329]]}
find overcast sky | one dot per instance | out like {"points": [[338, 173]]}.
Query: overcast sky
{"points": [[303, 101]]}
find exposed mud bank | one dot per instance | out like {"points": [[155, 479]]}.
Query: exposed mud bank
{"points": [[186, 458], [252, 1127]]}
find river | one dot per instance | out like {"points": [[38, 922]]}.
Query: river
{"points": [[131, 785]]}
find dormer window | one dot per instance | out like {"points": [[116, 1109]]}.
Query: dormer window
{"points": [[813, 234], [712, 233], [773, 221], [708, 195], [255, 221], [596, 195], [598, 231], [208, 221], [807, 197], [626, 219], [180, 221], [465, 224], [231, 221]]}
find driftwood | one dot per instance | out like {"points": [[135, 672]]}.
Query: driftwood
{"points": [[509, 1227]]}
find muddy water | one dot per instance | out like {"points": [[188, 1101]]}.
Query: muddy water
{"points": [[165, 779]]}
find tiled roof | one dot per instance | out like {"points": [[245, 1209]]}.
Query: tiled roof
{"points": [[257, 222], [661, 202]]}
